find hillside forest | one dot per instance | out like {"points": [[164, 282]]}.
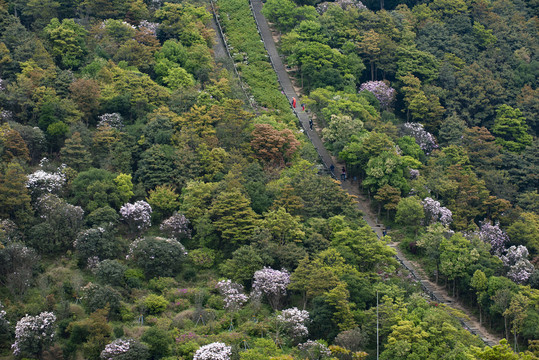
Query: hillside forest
{"points": [[154, 205]]}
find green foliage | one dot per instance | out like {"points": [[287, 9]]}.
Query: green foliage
{"points": [[157, 256], [511, 129], [159, 342], [95, 189], [202, 258], [111, 272], [67, 40], [154, 304]]}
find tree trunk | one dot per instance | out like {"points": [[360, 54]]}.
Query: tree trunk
{"points": [[480, 316], [506, 331], [372, 70], [437, 272]]}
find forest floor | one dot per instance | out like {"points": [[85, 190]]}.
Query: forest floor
{"points": [[437, 292]]}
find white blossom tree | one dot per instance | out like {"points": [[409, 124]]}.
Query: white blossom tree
{"points": [[176, 226], [33, 334], [138, 216], [516, 259], [234, 298], [125, 349], [213, 351], [294, 322]]}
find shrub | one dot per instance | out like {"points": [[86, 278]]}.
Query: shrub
{"points": [[162, 283], [102, 216], [158, 341], [157, 256], [134, 278], [202, 258], [155, 304], [100, 297], [96, 241], [111, 272]]}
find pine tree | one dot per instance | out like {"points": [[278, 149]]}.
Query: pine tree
{"points": [[75, 154], [14, 197]]}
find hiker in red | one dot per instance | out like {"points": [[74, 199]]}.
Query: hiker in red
{"points": [[294, 102]]}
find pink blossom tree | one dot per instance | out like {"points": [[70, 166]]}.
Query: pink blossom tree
{"points": [[125, 349], [423, 138], [176, 226], [435, 212], [493, 235], [383, 92], [271, 283]]}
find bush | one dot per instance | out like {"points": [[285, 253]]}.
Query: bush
{"points": [[102, 216], [202, 258], [111, 272], [155, 304], [134, 278], [158, 341], [100, 297], [157, 256], [161, 284], [96, 241]]}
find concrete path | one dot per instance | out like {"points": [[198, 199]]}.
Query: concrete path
{"points": [[433, 291]]}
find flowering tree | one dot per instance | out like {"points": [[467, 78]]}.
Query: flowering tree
{"points": [[493, 235], [176, 226], [60, 224], [95, 242], [213, 351], [3, 321], [149, 27], [435, 212], [516, 258], [113, 120], [33, 334], [125, 349], [138, 216], [41, 182], [293, 320], [271, 283], [314, 350], [424, 139], [234, 297], [383, 92]]}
